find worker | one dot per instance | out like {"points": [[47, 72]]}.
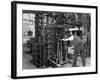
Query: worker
{"points": [[78, 48]]}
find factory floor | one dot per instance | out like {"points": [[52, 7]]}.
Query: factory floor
{"points": [[28, 65]]}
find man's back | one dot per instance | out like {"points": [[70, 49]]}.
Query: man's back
{"points": [[77, 41]]}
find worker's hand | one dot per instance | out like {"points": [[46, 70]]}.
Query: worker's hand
{"points": [[65, 39]]}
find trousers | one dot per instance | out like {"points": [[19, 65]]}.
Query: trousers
{"points": [[79, 49]]}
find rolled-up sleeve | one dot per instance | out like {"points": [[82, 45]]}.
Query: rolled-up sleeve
{"points": [[70, 38]]}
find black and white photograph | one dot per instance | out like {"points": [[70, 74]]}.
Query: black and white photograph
{"points": [[53, 39], [56, 39]]}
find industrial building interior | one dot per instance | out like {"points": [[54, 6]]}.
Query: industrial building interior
{"points": [[43, 34]]}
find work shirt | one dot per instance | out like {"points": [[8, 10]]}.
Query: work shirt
{"points": [[77, 42]]}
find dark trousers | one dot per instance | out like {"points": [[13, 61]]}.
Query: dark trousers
{"points": [[79, 50]]}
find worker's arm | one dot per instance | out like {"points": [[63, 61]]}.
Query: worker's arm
{"points": [[69, 39]]}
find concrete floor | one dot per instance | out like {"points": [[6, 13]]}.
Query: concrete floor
{"points": [[28, 65]]}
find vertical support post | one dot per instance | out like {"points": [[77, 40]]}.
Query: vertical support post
{"points": [[61, 54], [40, 55], [35, 55]]}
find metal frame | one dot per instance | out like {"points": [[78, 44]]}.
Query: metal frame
{"points": [[14, 39]]}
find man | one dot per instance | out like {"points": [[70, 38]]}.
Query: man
{"points": [[78, 47]]}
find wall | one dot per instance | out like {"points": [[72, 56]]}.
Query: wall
{"points": [[28, 25], [5, 40]]}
